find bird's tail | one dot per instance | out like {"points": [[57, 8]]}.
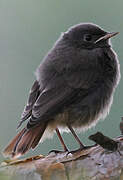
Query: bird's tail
{"points": [[24, 140]]}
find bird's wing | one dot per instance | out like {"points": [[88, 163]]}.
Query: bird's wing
{"points": [[52, 100], [33, 95]]}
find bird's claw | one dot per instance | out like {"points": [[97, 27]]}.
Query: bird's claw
{"points": [[57, 151]]}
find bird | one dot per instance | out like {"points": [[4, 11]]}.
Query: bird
{"points": [[73, 89]]}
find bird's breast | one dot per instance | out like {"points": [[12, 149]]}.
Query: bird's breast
{"points": [[94, 105]]}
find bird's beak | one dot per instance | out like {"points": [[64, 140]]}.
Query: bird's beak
{"points": [[107, 36]]}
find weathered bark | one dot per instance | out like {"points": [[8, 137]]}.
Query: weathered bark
{"points": [[95, 163]]}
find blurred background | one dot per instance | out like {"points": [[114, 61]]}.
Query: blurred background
{"points": [[28, 30]]}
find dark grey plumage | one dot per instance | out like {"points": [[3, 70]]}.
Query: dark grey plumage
{"points": [[75, 83]]}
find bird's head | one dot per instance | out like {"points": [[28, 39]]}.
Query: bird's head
{"points": [[88, 36]]}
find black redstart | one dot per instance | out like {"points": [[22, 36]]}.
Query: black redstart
{"points": [[74, 87]]}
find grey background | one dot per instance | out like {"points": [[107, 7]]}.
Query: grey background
{"points": [[28, 30]]}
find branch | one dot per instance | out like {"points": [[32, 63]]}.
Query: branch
{"points": [[97, 162]]}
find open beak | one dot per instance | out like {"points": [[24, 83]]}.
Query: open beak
{"points": [[107, 36]]}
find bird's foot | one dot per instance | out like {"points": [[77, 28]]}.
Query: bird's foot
{"points": [[69, 152], [82, 148], [58, 151]]}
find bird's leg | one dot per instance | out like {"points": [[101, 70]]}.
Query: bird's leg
{"points": [[62, 142], [76, 137]]}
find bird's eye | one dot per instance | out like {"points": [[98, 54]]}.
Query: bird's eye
{"points": [[87, 37]]}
